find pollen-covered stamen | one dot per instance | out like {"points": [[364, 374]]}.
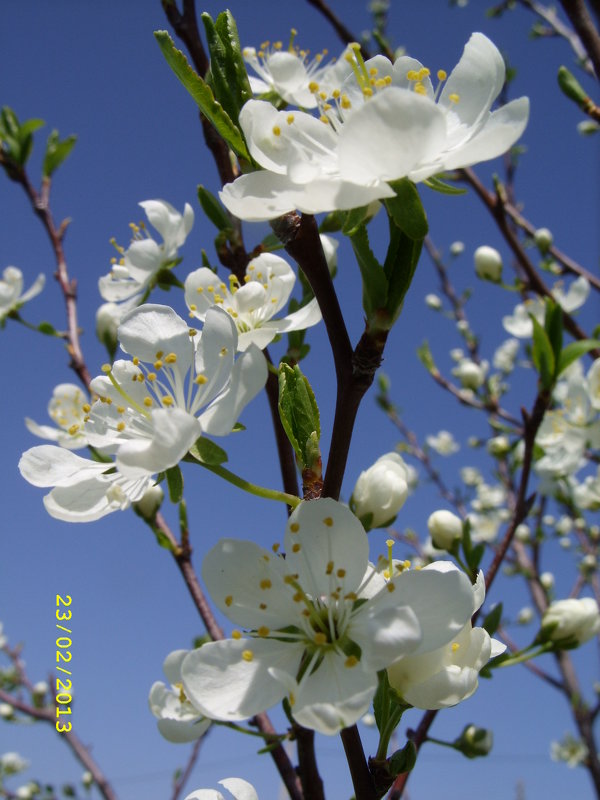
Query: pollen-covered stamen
{"points": [[107, 370]]}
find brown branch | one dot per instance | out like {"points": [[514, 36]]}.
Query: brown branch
{"points": [[558, 28], [362, 780], [185, 775], [578, 14], [344, 33], [496, 207]]}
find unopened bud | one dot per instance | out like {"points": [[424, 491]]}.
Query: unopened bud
{"points": [[445, 528], [574, 619], [488, 263], [380, 491], [474, 741], [543, 239]]}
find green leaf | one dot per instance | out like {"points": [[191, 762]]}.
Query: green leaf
{"points": [[492, 620], [553, 325], [374, 281], [355, 218], [229, 62], [403, 760], [48, 329], [441, 186], [208, 452], [202, 95], [425, 357], [213, 209], [333, 222], [299, 413], [574, 351], [541, 352], [162, 539], [56, 152], [407, 210], [400, 265], [175, 483]]}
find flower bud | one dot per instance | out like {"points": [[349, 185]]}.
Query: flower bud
{"points": [[547, 580], [456, 248], [380, 491], [470, 374], [577, 619], [87, 779], [150, 503], [6, 711], [525, 615], [498, 446], [108, 317], [523, 533], [488, 263], [474, 741], [543, 239], [445, 529], [433, 301]]}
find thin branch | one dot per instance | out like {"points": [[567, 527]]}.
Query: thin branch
{"points": [[558, 28], [578, 14], [344, 33], [185, 775]]}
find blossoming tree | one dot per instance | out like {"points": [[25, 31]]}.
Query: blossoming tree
{"points": [[322, 628]]}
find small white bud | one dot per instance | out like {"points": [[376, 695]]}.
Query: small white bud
{"points": [[575, 618], [488, 263], [380, 491], [523, 533], [456, 248], [543, 239], [525, 615], [498, 446], [547, 580], [445, 529], [564, 542], [6, 711], [433, 301], [588, 563], [470, 374]]}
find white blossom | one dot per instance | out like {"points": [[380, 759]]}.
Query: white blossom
{"points": [[570, 751], [345, 158], [306, 637], [380, 491], [68, 408], [488, 263], [238, 788], [519, 323], [445, 528], [178, 720], [12, 296], [253, 305], [443, 443]]}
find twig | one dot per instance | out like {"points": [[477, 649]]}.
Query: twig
{"points": [[345, 35], [185, 775], [577, 12], [558, 28]]}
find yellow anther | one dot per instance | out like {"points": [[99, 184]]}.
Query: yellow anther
{"points": [[275, 547], [292, 699], [313, 87], [351, 661], [106, 368], [247, 655], [335, 94], [305, 612], [200, 289], [120, 409], [121, 426], [265, 583], [345, 101], [263, 631], [192, 332], [159, 353], [200, 380], [387, 80], [412, 75], [289, 119], [351, 596], [276, 130], [236, 634], [135, 361], [328, 521], [327, 107], [373, 71], [380, 83], [229, 600], [367, 91], [223, 351], [167, 401], [294, 527], [296, 548], [323, 95], [147, 402], [193, 307], [298, 597], [86, 408], [158, 364], [442, 74], [341, 573], [454, 98], [320, 638], [277, 45], [139, 378], [455, 646], [73, 429], [151, 376], [391, 587], [329, 568], [424, 73], [420, 89], [171, 358], [263, 606]]}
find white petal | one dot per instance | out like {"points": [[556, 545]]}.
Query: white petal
{"points": [[91, 499], [240, 789], [389, 136], [215, 352], [304, 317], [385, 630], [335, 695], [196, 291], [242, 577], [152, 328], [248, 377], [225, 686], [174, 431], [501, 130], [35, 288], [48, 465], [180, 732], [333, 547]]}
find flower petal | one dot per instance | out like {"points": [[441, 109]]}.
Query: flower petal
{"points": [[327, 546], [155, 328], [230, 679]]}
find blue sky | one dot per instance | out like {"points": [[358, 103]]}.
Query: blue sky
{"points": [[94, 69]]}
